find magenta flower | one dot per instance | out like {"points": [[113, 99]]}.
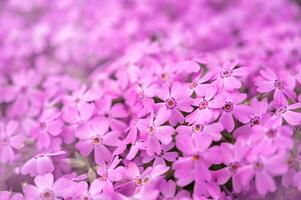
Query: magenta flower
{"points": [[257, 116], [165, 155], [112, 113], [49, 125], [95, 136], [176, 99], [40, 164], [45, 188], [168, 190], [211, 132], [80, 107], [198, 157], [282, 87], [281, 110], [231, 104], [226, 76], [204, 110], [154, 132], [10, 141]]}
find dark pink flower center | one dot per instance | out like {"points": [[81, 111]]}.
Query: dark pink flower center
{"points": [[170, 103], [164, 76], [226, 73], [193, 85], [197, 128], [228, 107], [281, 110], [96, 140], [234, 166], [279, 85], [258, 166], [151, 129], [47, 195], [255, 121], [196, 157], [271, 133], [203, 104]]}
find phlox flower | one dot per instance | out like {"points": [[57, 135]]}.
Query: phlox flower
{"points": [[176, 99], [226, 76], [155, 132], [40, 164], [95, 135], [231, 105], [10, 141], [282, 86]]}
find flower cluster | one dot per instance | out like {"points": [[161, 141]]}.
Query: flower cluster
{"points": [[155, 99]]}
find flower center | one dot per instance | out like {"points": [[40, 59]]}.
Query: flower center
{"points": [[197, 128], [228, 107], [203, 104], [255, 121], [196, 157], [47, 195], [258, 166], [234, 166], [170, 103], [138, 181], [96, 140], [226, 73], [193, 85], [151, 129], [146, 180], [164, 76], [281, 110], [271, 133], [279, 85]]}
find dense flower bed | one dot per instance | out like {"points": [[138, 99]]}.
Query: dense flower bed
{"points": [[154, 99]]}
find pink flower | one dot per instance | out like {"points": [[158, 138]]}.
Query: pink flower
{"points": [[257, 116], [211, 132], [194, 166], [45, 188], [176, 99], [94, 135], [49, 125], [80, 107], [165, 155], [231, 104], [204, 110], [281, 110], [154, 132], [113, 113], [10, 141], [226, 76], [41, 164], [282, 87], [168, 190]]}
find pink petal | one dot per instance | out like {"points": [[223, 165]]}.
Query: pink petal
{"points": [[6, 154], [44, 181], [293, 118], [118, 111], [242, 71], [227, 120], [86, 110], [231, 83], [85, 147], [153, 146], [44, 165], [264, 183], [101, 154], [30, 167], [112, 139], [43, 140], [99, 125], [162, 115], [16, 141], [164, 133]]}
